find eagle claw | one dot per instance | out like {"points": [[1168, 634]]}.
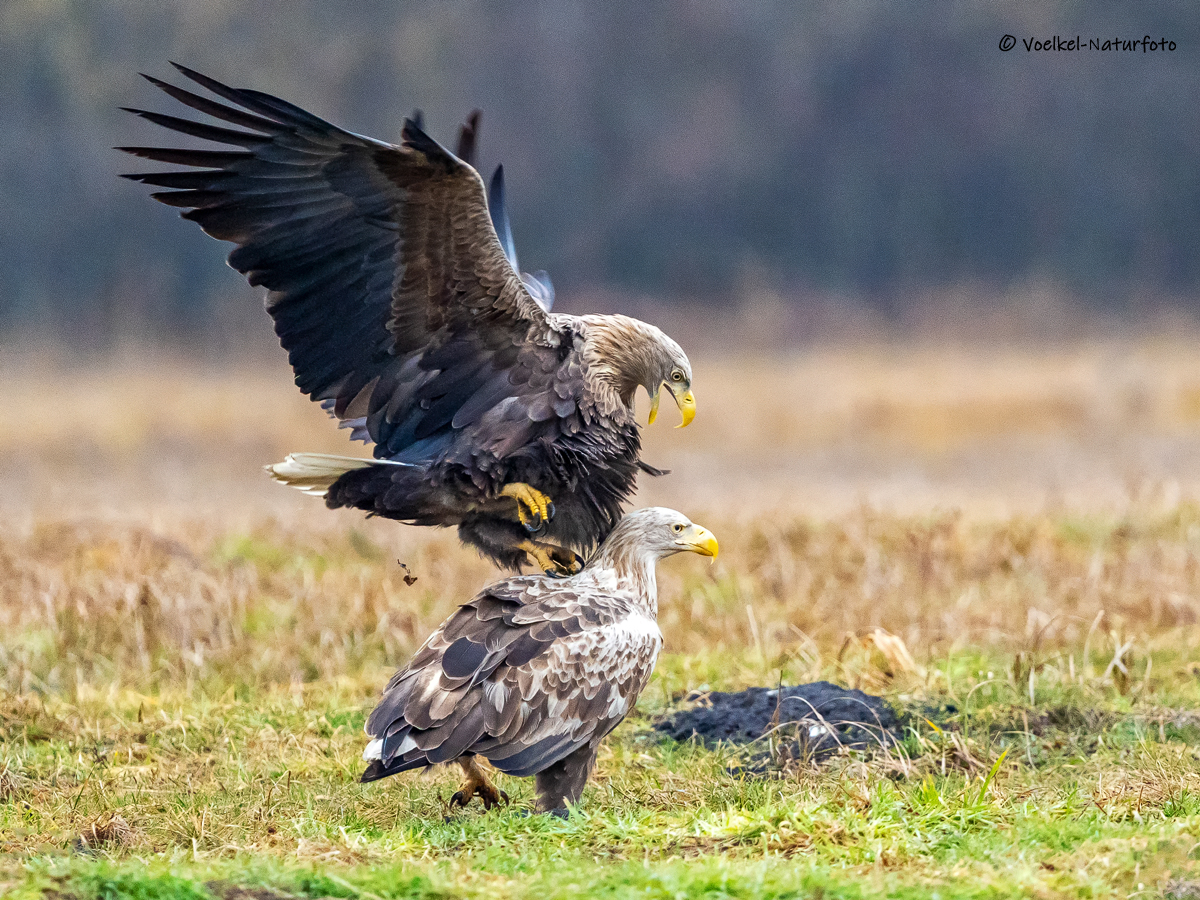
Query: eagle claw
{"points": [[490, 795], [565, 570], [476, 784], [534, 508], [555, 561]]}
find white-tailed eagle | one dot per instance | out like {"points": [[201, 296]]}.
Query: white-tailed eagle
{"points": [[403, 313], [535, 671]]}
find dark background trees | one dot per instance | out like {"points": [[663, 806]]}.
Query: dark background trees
{"points": [[684, 151]]}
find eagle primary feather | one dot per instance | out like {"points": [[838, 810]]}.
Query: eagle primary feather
{"points": [[404, 314], [533, 672]]}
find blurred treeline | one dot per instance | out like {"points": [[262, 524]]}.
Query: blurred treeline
{"points": [[685, 150]]}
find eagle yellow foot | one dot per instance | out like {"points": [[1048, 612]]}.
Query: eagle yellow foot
{"points": [[552, 559], [476, 784], [534, 508]]}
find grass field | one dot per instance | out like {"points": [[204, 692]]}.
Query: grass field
{"points": [[188, 651]]}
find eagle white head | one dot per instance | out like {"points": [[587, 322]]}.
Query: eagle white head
{"points": [[645, 536]]}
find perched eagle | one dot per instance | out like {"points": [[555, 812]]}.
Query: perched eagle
{"points": [[535, 671], [403, 313]]}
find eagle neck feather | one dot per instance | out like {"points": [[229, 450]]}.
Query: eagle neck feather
{"points": [[631, 565]]}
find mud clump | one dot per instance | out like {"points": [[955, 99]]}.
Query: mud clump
{"points": [[806, 721]]}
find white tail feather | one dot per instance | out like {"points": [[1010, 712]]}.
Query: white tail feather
{"points": [[313, 473]]}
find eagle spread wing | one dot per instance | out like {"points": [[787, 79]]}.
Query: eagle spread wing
{"points": [[387, 282], [527, 673], [403, 313]]}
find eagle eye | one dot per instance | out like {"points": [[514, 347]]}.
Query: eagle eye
{"points": [[677, 527], [677, 375]]}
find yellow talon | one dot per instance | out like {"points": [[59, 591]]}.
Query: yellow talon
{"points": [[551, 558], [534, 508]]}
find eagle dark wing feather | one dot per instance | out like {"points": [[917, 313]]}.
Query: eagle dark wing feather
{"points": [[305, 207], [524, 648], [464, 733], [387, 282], [528, 760], [463, 658]]}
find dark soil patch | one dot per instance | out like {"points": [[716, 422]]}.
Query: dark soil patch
{"points": [[807, 721]]}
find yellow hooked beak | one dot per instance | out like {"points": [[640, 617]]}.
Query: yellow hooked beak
{"points": [[686, 403], [699, 540]]}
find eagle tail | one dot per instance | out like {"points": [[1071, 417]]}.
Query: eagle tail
{"points": [[315, 473]]}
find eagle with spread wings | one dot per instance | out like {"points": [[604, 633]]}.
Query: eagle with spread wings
{"points": [[533, 672], [403, 313]]}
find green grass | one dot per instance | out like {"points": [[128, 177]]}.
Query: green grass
{"points": [[181, 711], [1085, 792]]}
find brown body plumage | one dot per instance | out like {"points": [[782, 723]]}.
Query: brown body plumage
{"points": [[404, 314], [534, 672]]}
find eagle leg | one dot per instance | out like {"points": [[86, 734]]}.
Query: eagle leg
{"points": [[551, 558], [561, 785], [534, 508], [476, 784]]}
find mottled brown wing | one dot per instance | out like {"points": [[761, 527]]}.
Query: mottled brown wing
{"points": [[387, 284], [582, 686], [524, 674]]}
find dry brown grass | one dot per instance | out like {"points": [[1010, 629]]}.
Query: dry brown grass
{"points": [[187, 650], [121, 605], [105, 832], [992, 430], [1003, 497]]}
